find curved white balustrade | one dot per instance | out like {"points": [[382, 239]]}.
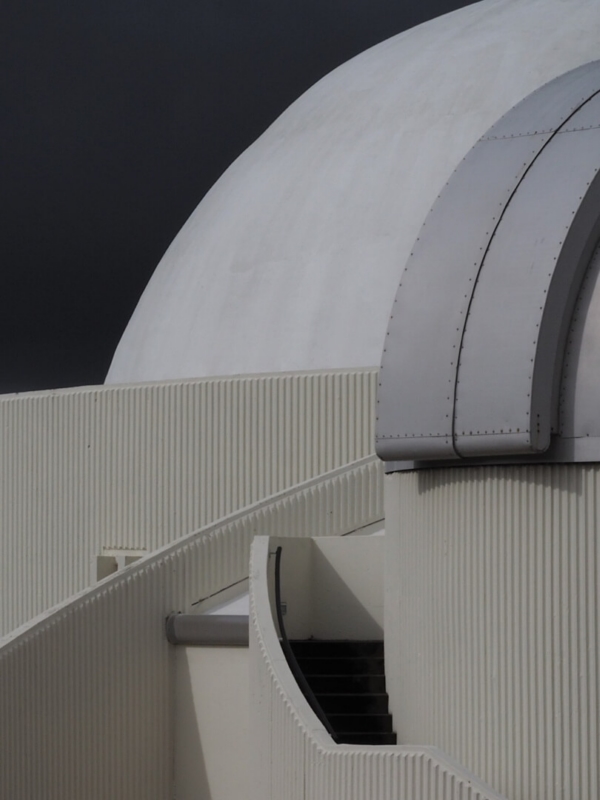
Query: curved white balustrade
{"points": [[296, 759], [86, 694], [132, 468]]}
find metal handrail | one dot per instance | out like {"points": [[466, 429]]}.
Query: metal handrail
{"points": [[291, 658]]}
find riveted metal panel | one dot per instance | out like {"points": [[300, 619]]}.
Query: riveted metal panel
{"points": [[510, 362], [418, 372], [580, 390], [419, 364], [546, 109]]}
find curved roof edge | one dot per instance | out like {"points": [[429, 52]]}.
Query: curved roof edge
{"points": [[489, 290]]}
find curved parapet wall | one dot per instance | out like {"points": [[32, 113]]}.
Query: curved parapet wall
{"points": [[85, 690], [492, 622], [98, 470], [296, 758], [474, 350]]}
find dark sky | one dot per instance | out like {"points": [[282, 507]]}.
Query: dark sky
{"points": [[117, 116]]}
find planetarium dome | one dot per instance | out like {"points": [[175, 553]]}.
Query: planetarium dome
{"points": [[292, 260], [432, 207]]}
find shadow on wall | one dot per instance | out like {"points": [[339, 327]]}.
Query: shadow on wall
{"points": [[346, 602], [211, 722], [531, 476], [332, 587], [191, 778]]}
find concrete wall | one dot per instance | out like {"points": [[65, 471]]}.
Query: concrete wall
{"points": [[212, 735], [332, 590]]}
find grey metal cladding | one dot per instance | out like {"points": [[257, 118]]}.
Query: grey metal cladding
{"points": [[418, 375], [420, 358], [580, 390], [513, 345], [547, 108]]}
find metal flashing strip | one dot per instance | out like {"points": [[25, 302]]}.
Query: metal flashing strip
{"points": [[562, 450], [424, 412]]}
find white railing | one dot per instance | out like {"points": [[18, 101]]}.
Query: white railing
{"points": [[108, 469], [86, 689], [296, 759]]}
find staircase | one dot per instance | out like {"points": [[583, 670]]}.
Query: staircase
{"points": [[348, 680]]}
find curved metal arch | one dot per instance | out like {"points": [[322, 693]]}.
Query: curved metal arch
{"points": [[433, 397], [512, 351]]}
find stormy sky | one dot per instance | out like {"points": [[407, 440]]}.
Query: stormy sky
{"points": [[117, 117]]}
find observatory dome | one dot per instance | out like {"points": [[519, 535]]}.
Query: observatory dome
{"points": [[292, 260]]}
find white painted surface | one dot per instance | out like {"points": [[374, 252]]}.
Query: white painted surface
{"points": [[491, 622], [86, 689], [332, 590], [293, 757], [293, 259], [236, 605], [112, 471], [212, 735], [348, 588]]}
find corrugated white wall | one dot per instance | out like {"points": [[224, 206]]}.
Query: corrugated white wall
{"points": [[86, 695], [135, 467], [493, 622], [296, 759]]}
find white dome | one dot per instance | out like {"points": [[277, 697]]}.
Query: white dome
{"points": [[292, 260]]}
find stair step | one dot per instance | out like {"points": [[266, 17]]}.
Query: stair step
{"points": [[336, 648], [347, 684], [359, 723], [354, 665], [348, 680], [354, 703], [367, 738]]}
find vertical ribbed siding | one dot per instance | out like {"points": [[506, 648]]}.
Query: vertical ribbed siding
{"points": [[136, 467], [295, 758], [85, 691], [493, 630]]}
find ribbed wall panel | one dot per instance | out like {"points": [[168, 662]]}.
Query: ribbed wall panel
{"points": [[136, 467], [493, 622], [295, 758], [86, 690]]}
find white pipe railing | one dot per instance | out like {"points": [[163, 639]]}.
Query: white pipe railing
{"points": [[296, 759], [86, 689], [108, 469]]}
